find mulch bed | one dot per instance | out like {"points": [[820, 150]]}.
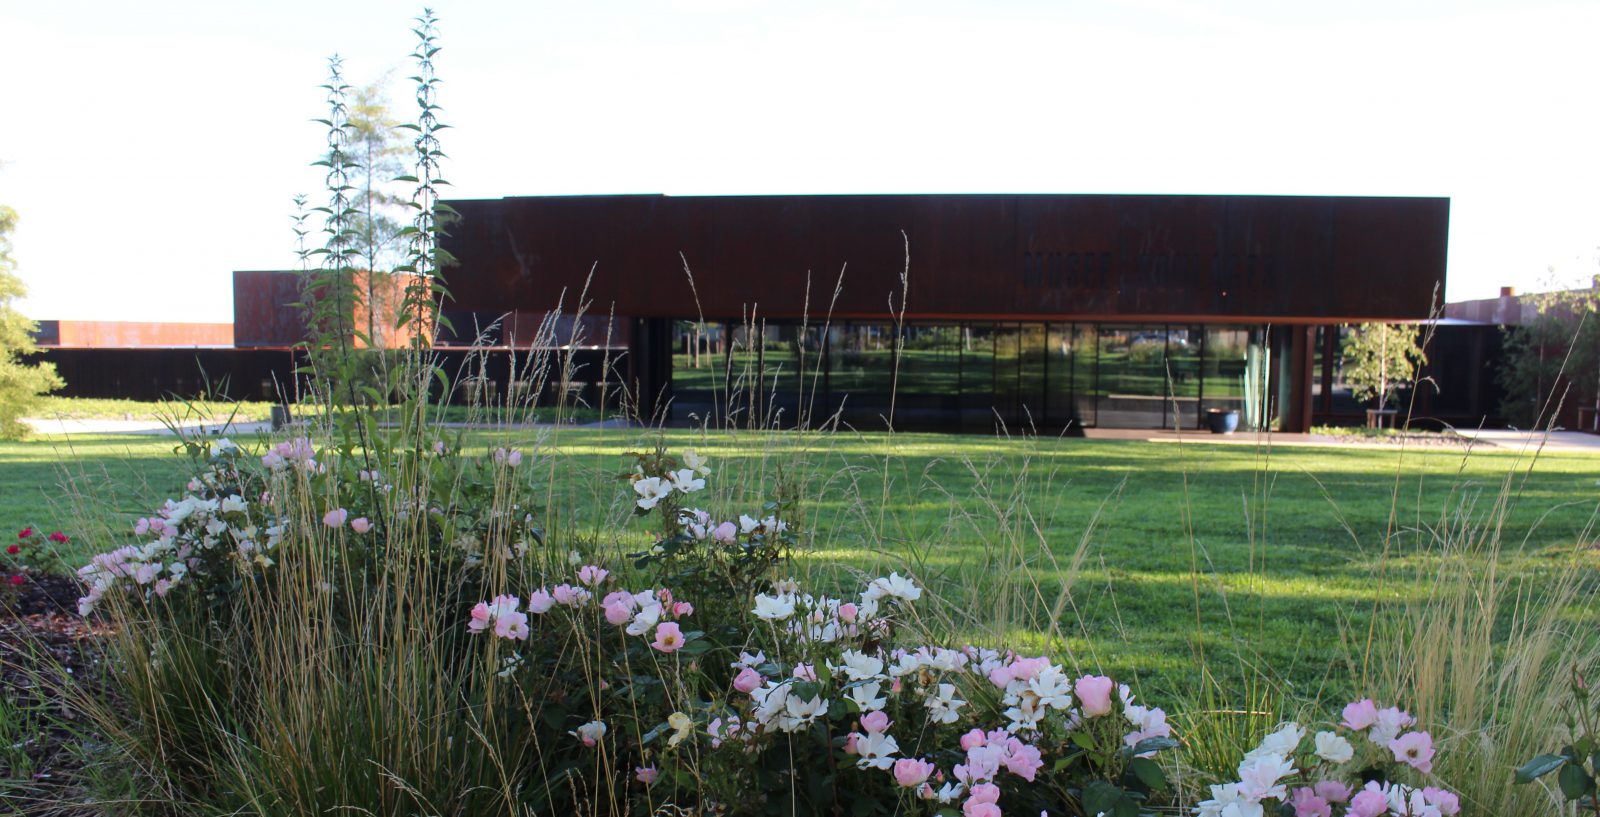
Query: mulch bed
{"points": [[1399, 440], [42, 640]]}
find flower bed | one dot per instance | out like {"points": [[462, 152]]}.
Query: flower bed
{"points": [[694, 676]]}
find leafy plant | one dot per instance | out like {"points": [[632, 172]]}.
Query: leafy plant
{"points": [[1577, 765], [1381, 358]]}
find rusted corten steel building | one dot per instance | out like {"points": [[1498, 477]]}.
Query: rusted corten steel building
{"points": [[962, 311]]}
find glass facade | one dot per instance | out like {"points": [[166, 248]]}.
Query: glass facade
{"points": [[976, 376]]}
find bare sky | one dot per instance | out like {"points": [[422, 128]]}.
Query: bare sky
{"points": [[151, 148]]}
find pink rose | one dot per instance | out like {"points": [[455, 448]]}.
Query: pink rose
{"points": [[1308, 804], [646, 774], [747, 680], [511, 625], [360, 524], [1094, 695], [682, 609], [725, 532], [848, 612], [850, 744], [984, 793], [911, 773], [1332, 791], [568, 595], [617, 613], [540, 601], [973, 808], [335, 518], [481, 618], [1000, 676], [1446, 802], [1369, 802], [875, 722], [1360, 715], [669, 638], [1024, 761], [805, 672], [591, 575], [1415, 749], [973, 739], [1027, 669]]}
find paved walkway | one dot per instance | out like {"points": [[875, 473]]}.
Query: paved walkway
{"points": [[1563, 442], [44, 425], [242, 428]]}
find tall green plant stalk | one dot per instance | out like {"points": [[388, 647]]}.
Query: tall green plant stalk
{"points": [[419, 317]]}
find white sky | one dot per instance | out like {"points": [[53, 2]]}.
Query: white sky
{"points": [[152, 147]]}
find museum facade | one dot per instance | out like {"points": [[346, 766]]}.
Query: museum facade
{"points": [[969, 312]]}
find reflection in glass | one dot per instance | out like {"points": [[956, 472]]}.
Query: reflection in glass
{"points": [[930, 376], [976, 376], [1132, 385]]}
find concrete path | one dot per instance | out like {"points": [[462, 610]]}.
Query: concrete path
{"points": [[52, 427], [1563, 442], [47, 426]]}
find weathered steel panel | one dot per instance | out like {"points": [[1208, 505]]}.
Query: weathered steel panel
{"points": [[265, 315], [1245, 258], [262, 311], [71, 334]]}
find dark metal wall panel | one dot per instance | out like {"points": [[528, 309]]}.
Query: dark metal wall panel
{"points": [[1308, 259], [155, 374]]}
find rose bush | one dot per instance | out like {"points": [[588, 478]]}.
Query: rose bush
{"points": [[1366, 765]]}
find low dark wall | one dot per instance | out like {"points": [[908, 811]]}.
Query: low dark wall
{"points": [[154, 374], [268, 374]]}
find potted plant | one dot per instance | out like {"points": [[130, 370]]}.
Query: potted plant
{"points": [[1222, 420]]}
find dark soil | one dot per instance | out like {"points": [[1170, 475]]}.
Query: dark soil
{"points": [[44, 646]]}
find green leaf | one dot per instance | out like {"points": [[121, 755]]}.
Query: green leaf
{"points": [[1539, 767], [1101, 797], [1149, 773], [1154, 745], [1575, 781]]}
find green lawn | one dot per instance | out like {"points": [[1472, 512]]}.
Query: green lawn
{"points": [[1279, 569]]}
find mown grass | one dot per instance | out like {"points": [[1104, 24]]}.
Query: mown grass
{"points": [[1248, 558]]}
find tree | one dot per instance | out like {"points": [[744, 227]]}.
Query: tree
{"points": [[21, 383], [371, 153], [1380, 358], [377, 153], [1552, 359]]}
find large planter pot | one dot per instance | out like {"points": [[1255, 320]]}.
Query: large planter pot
{"points": [[1222, 421]]}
